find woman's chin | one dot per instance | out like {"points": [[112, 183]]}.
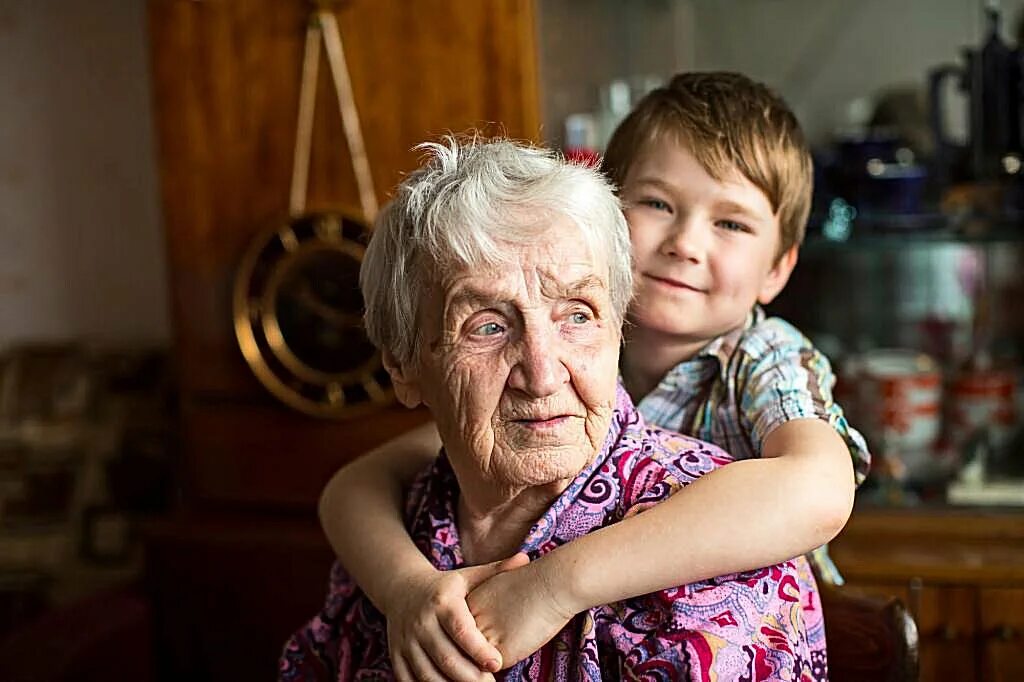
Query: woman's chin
{"points": [[541, 466]]}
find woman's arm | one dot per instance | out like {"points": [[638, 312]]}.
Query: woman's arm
{"points": [[745, 515], [431, 633]]}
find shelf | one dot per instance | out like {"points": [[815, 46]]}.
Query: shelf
{"points": [[900, 232], [943, 545]]}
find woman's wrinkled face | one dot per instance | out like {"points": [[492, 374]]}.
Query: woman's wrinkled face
{"points": [[518, 363]]}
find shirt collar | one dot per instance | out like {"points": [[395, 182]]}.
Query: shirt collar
{"points": [[721, 347]]}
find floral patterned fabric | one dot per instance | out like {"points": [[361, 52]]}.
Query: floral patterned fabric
{"points": [[758, 625]]}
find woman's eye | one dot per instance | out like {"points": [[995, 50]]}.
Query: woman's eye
{"points": [[489, 329], [579, 317]]}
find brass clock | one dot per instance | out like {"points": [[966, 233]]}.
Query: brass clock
{"points": [[297, 304], [298, 317]]}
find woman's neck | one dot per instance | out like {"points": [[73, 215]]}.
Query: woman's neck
{"points": [[491, 530]]}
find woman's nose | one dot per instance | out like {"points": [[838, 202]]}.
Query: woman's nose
{"points": [[539, 370]]}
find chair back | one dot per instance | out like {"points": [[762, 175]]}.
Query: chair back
{"points": [[869, 639]]}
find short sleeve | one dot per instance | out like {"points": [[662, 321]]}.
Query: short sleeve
{"points": [[787, 378]]}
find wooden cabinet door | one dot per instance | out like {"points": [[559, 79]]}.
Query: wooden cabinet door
{"points": [[225, 78], [946, 623], [1002, 634], [881, 590]]}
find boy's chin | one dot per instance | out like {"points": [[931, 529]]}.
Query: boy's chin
{"points": [[673, 329]]}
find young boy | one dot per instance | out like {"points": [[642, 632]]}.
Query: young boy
{"points": [[715, 181]]}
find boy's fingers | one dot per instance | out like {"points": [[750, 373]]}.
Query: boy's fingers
{"points": [[453, 663], [423, 669], [475, 575], [517, 560], [461, 627], [401, 669]]}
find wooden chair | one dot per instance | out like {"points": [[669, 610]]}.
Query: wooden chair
{"points": [[869, 639]]}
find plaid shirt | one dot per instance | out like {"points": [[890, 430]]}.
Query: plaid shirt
{"points": [[743, 385]]}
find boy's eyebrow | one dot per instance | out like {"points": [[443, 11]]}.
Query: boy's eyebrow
{"points": [[737, 208], [653, 180]]}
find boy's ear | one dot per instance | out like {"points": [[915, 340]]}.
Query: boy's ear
{"points": [[778, 275], [405, 379]]}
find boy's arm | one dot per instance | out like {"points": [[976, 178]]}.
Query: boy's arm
{"points": [[745, 515], [748, 514], [361, 511]]}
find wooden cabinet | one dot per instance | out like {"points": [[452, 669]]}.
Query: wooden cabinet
{"points": [[239, 570], [961, 574], [226, 76], [1002, 630]]}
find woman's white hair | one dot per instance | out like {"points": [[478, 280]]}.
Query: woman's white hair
{"points": [[463, 207]]}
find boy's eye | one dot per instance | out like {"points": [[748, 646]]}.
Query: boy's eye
{"points": [[656, 204], [488, 329], [733, 226]]}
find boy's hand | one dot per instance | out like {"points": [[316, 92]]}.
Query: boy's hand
{"points": [[519, 610], [431, 632]]}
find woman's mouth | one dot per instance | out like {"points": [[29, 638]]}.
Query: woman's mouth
{"points": [[543, 423]]}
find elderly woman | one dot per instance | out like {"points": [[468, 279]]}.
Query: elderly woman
{"points": [[496, 284]]}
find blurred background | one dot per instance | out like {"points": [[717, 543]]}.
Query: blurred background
{"points": [[172, 401]]}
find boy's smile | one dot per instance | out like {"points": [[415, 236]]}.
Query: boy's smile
{"points": [[704, 250]]}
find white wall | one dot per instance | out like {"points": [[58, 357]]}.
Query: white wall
{"points": [[81, 247], [81, 244], [821, 54], [584, 44]]}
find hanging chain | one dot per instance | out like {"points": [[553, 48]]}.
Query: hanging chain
{"points": [[323, 24], [304, 130]]}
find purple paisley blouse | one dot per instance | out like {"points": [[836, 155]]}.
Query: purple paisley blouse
{"points": [[758, 625]]}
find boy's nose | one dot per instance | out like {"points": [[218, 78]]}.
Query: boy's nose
{"points": [[686, 240], [539, 369]]}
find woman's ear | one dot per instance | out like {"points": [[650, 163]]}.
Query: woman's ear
{"points": [[778, 276], [405, 379]]}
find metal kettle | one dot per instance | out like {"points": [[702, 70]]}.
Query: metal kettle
{"points": [[991, 78]]}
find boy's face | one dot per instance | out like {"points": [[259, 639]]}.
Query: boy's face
{"points": [[704, 250]]}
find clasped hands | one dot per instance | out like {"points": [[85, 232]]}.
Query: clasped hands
{"points": [[465, 624]]}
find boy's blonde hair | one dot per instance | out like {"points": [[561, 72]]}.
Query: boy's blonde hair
{"points": [[725, 120]]}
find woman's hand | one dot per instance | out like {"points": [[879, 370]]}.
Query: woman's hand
{"points": [[432, 634], [519, 610]]}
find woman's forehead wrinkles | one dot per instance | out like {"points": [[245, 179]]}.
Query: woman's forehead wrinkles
{"points": [[554, 282], [587, 284]]}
